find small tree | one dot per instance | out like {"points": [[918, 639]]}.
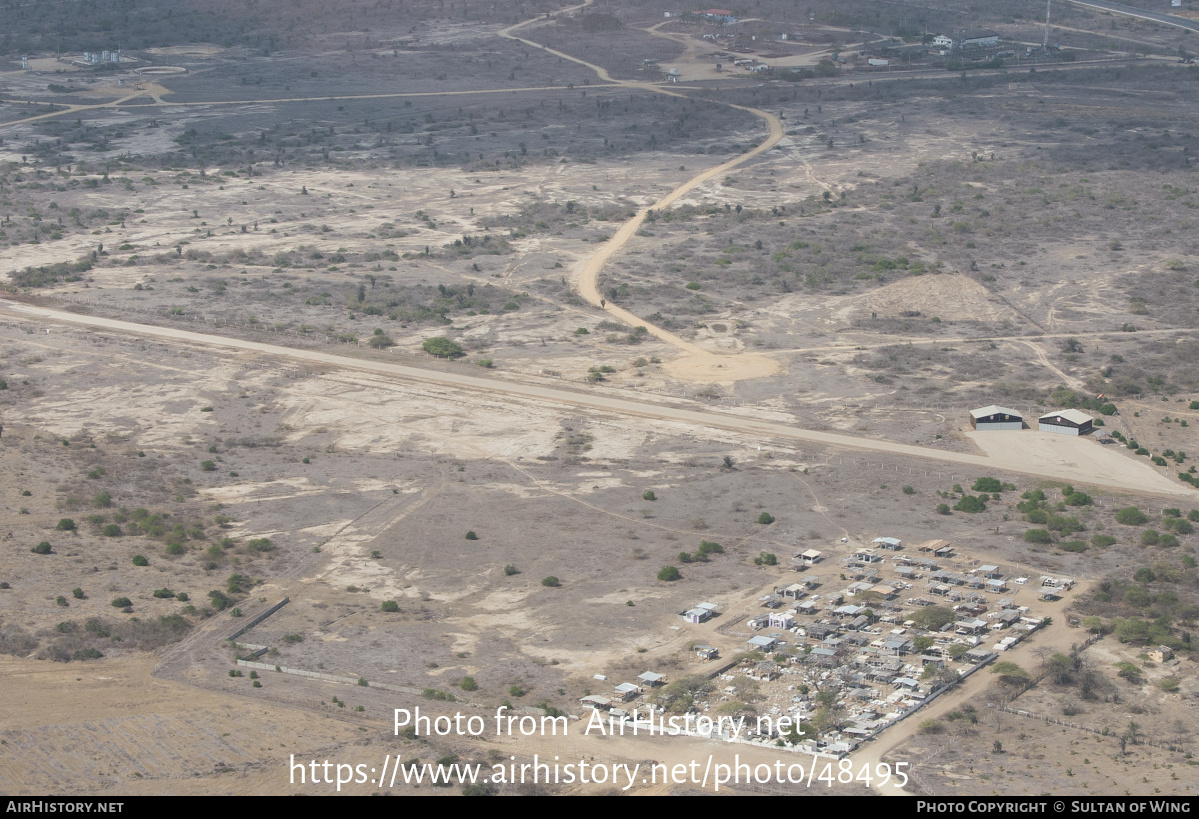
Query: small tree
{"points": [[390, 606], [510, 570], [668, 574], [42, 548], [65, 525], [140, 560], [470, 535], [550, 581], [468, 684], [442, 347], [649, 495], [765, 518]]}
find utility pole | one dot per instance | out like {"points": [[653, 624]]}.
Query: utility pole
{"points": [[1045, 45]]}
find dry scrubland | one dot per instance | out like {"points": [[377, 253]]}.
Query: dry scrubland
{"points": [[913, 248]]}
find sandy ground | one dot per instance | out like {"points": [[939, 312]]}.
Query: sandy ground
{"points": [[1118, 471]]}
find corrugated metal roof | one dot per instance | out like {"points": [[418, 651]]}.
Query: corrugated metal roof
{"points": [[995, 409], [1072, 415]]}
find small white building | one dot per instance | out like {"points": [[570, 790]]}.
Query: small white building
{"points": [[943, 41], [781, 619]]}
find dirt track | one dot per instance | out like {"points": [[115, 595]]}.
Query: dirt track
{"points": [[699, 364], [1103, 466]]}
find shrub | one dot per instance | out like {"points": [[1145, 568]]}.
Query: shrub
{"points": [[766, 559], [78, 594], [471, 535], [971, 504], [1131, 516], [121, 602], [1074, 546], [65, 525], [208, 466], [260, 544], [390, 605], [468, 684], [442, 347], [112, 530], [707, 547], [510, 570], [1038, 536], [908, 490], [649, 495], [1102, 540], [987, 485], [1149, 537], [942, 508], [163, 593], [765, 518], [42, 548], [932, 726], [140, 560], [550, 581], [293, 638], [669, 574]]}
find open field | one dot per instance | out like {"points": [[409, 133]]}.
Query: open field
{"points": [[493, 352]]}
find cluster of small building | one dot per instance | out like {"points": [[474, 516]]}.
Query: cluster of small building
{"points": [[860, 641], [623, 693], [99, 57], [1064, 422]]}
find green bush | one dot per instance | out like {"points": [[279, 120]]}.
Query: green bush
{"points": [[208, 466], [65, 525], [78, 594], [765, 518], [1102, 540], [510, 570], [971, 504], [390, 606], [1038, 536], [550, 581], [668, 574], [1131, 516], [140, 560], [766, 559], [987, 485], [707, 547], [649, 495], [163, 593], [42, 548], [471, 535], [121, 602], [442, 347], [1149, 537], [112, 530], [942, 508], [468, 684]]}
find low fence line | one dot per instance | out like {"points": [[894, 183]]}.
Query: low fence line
{"points": [[258, 618]]}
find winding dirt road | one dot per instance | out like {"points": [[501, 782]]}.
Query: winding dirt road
{"points": [[698, 364]]}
